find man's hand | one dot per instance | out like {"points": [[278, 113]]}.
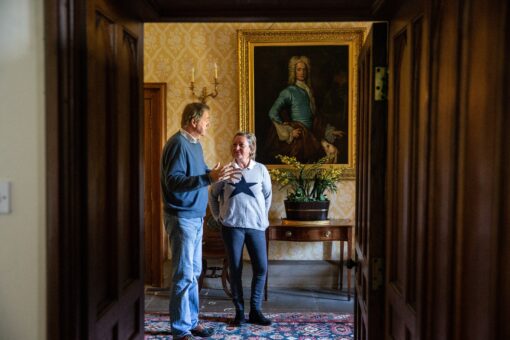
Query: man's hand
{"points": [[296, 133], [219, 173]]}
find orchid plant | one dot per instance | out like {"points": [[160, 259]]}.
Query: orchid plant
{"points": [[306, 182]]}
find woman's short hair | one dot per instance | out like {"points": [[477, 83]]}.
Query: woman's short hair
{"points": [[193, 111], [252, 142]]}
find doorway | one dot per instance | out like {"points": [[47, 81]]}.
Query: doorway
{"points": [[86, 89], [307, 270], [155, 240]]}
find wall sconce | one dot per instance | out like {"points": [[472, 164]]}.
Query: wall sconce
{"points": [[204, 95]]}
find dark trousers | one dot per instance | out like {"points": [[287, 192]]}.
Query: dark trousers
{"points": [[255, 240]]}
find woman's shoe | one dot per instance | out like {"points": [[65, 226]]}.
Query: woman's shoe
{"points": [[258, 318], [239, 319]]}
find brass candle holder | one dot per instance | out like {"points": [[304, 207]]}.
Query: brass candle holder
{"points": [[204, 95]]}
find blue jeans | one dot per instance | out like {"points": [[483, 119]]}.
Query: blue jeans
{"points": [[255, 240], [185, 235]]}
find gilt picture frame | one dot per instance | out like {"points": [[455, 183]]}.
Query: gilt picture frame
{"points": [[323, 115]]}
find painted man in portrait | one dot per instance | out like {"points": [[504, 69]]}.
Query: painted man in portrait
{"points": [[297, 128]]}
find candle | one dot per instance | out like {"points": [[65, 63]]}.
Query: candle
{"points": [[192, 74], [215, 71]]}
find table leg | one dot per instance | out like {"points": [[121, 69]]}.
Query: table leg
{"points": [[267, 254], [349, 272], [341, 268]]}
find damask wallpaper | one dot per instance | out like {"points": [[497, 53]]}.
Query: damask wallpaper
{"points": [[170, 53]]}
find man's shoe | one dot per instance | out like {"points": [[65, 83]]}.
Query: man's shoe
{"points": [[186, 337], [258, 318], [203, 332], [239, 319]]}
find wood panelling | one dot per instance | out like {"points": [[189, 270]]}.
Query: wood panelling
{"points": [[443, 155], [114, 175], [101, 164], [399, 154], [418, 128], [97, 214], [128, 125], [407, 168], [501, 310], [479, 167], [370, 187], [65, 168], [468, 153], [481, 109]]}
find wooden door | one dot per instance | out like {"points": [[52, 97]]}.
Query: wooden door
{"points": [[95, 162], [406, 173], [370, 186], [154, 138], [468, 295], [114, 260]]}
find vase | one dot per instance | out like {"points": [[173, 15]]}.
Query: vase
{"points": [[307, 211]]}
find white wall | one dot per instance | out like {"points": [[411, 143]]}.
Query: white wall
{"points": [[22, 161]]}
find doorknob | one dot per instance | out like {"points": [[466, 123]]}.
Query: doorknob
{"points": [[350, 263]]}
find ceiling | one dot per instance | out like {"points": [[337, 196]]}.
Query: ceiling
{"points": [[260, 10]]}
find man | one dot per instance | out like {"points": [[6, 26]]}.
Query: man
{"points": [[184, 180], [298, 131]]}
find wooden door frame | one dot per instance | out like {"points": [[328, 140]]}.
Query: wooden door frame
{"points": [[370, 186], [406, 196], [66, 108], [155, 235], [468, 211], [65, 164], [64, 23], [66, 105]]}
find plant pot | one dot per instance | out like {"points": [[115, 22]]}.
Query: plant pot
{"points": [[306, 211]]}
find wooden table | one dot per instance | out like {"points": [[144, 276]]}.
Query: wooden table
{"points": [[314, 231]]}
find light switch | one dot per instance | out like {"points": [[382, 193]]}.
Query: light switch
{"points": [[5, 197]]}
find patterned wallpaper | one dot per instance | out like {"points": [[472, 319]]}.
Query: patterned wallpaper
{"points": [[172, 50]]}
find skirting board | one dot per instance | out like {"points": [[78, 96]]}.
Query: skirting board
{"points": [[291, 274]]}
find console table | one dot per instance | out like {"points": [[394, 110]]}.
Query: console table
{"points": [[314, 231]]}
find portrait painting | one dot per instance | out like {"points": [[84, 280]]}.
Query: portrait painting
{"points": [[297, 94]]}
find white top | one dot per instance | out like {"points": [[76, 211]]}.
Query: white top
{"points": [[243, 203]]}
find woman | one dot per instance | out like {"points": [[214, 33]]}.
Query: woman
{"points": [[242, 206]]}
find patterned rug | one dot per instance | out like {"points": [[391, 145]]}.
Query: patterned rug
{"points": [[295, 326]]}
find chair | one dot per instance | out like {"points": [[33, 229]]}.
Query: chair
{"points": [[213, 248]]}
